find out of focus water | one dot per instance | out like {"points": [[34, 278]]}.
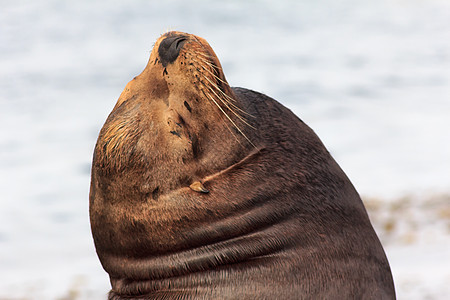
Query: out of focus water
{"points": [[372, 78]]}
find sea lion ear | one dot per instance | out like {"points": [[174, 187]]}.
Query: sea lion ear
{"points": [[198, 187]]}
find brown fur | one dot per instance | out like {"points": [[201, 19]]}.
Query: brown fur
{"points": [[281, 220]]}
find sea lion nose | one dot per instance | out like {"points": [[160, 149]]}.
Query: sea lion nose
{"points": [[170, 47]]}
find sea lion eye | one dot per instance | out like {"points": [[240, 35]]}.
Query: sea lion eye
{"points": [[188, 106]]}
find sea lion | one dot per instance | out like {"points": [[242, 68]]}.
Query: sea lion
{"points": [[203, 191]]}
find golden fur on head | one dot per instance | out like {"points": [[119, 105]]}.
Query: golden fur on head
{"points": [[175, 104], [121, 131]]}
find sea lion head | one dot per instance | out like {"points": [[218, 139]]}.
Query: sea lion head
{"points": [[184, 67], [169, 118]]}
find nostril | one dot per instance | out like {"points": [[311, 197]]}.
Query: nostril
{"points": [[179, 43], [170, 47]]}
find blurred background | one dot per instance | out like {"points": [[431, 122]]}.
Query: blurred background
{"points": [[372, 78]]}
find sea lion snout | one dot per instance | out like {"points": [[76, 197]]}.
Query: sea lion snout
{"points": [[170, 47]]}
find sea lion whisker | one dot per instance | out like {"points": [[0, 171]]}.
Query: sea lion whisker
{"points": [[215, 76], [212, 65], [230, 100], [218, 78], [231, 120], [195, 39], [221, 80], [218, 89], [205, 55], [225, 103], [203, 61], [231, 109], [226, 123], [206, 59], [227, 98]]}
